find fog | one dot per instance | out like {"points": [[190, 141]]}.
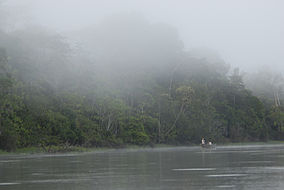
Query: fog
{"points": [[246, 34], [111, 73]]}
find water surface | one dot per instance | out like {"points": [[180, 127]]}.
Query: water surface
{"points": [[228, 167]]}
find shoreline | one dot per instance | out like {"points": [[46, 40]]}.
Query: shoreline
{"points": [[79, 149]]}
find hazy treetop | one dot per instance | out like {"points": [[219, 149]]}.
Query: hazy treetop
{"points": [[245, 33]]}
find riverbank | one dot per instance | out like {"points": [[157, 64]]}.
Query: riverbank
{"points": [[70, 149]]}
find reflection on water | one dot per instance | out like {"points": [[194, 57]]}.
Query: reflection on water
{"points": [[228, 167]]}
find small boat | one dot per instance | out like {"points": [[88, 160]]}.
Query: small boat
{"points": [[208, 146]]}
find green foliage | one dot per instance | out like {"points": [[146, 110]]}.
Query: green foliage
{"points": [[275, 119], [132, 132], [128, 96]]}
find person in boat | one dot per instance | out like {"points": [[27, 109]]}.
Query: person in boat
{"points": [[210, 143], [202, 141]]}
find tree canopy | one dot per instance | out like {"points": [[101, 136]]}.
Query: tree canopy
{"points": [[129, 82]]}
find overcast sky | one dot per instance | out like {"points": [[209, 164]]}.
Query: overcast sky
{"points": [[246, 33]]}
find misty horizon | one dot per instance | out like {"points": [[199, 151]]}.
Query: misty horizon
{"points": [[246, 34]]}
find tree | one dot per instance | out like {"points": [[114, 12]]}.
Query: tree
{"points": [[268, 85], [10, 105], [184, 97]]}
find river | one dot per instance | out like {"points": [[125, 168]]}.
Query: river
{"points": [[180, 168]]}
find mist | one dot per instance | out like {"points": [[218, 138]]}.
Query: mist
{"points": [[246, 34], [113, 73], [123, 83]]}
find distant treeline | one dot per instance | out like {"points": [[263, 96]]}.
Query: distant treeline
{"points": [[127, 82]]}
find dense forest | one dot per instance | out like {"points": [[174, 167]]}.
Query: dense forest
{"points": [[128, 81]]}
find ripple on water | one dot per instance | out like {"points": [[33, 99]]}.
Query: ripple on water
{"points": [[9, 161], [194, 169], [38, 174], [4, 184], [227, 175], [75, 161], [226, 186], [256, 162], [275, 168], [57, 180]]}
